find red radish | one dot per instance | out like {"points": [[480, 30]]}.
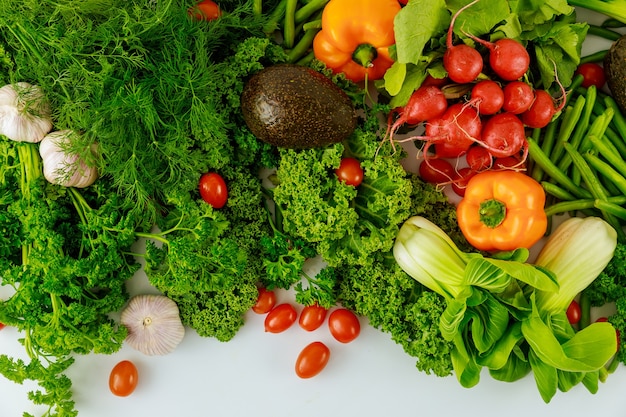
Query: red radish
{"points": [[437, 82], [487, 97], [436, 171], [462, 62], [511, 163], [425, 103], [518, 96], [454, 132], [478, 158], [504, 135], [508, 58], [541, 111]]}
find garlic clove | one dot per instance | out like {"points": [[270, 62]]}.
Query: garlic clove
{"points": [[25, 114], [153, 323]]}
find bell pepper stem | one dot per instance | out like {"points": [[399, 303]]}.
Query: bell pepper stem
{"points": [[364, 55], [492, 213]]}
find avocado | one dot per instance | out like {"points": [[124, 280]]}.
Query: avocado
{"points": [[615, 69], [293, 106]]}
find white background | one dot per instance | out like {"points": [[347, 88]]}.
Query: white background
{"points": [[254, 375]]}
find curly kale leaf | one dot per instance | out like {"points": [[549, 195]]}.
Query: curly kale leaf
{"points": [[397, 304]]}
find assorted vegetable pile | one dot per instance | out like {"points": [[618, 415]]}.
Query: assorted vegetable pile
{"points": [[123, 121]]}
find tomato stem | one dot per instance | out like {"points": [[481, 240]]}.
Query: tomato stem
{"points": [[364, 55], [492, 212]]}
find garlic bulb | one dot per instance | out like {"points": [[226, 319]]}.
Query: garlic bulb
{"points": [[62, 168], [153, 323], [24, 112]]}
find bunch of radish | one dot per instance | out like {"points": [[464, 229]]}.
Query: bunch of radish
{"points": [[491, 118]]}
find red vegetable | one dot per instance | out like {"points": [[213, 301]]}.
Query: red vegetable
{"points": [[460, 183], [312, 317], [487, 97], [312, 360], [123, 378], [462, 62], [265, 301], [2, 326], [454, 132], [213, 189], [350, 171], [508, 58], [593, 74], [280, 318], [344, 325], [478, 158], [518, 96], [436, 171], [573, 312], [541, 111], [205, 10], [504, 135]]}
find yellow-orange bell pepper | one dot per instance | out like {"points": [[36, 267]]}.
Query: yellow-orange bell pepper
{"points": [[502, 210], [356, 36]]}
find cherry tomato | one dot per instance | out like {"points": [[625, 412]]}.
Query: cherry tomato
{"points": [[593, 74], [205, 10], [460, 183], [436, 171], [344, 325], [280, 318], [2, 326], [312, 360], [265, 301], [573, 312], [350, 171], [312, 317], [213, 189], [478, 158], [123, 379]]}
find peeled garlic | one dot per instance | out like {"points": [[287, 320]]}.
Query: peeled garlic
{"points": [[62, 168], [24, 112], [153, 323]]}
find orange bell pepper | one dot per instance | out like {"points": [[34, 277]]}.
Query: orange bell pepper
{"points": [[356, 36], [502, 210]]}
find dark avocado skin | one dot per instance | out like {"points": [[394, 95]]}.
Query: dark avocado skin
{"points": [[293, 106], [615, 69]]}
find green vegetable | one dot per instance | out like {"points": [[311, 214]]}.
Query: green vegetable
{"points": [[615, 9], [503, 313]]}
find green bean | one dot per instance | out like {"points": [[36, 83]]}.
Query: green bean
{"points": [[579, 205], [306, 11], [595, 187], [585, 310], [610, 153], [547, 143], [570, 121], [604, 32], [619, 120], [611, 208], [606, 170], [617, 142], [594, 57], [257, 7], [612, 23], [277, 15], [540, 158], [597, 128], [289, 29], [303, 45], [558, 192]]}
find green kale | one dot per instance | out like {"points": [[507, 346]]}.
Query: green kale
{"points": [[397, 304]]}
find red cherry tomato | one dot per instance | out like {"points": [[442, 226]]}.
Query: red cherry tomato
{"points": [[312, 360], [213, 189], [573, 312], [436, 171], [280, 318], [312, 317], [593, 74], [344, 325], [265, 301], [205, 10], [460, 183], [2, 326], [350, 171], [123, 379]]}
